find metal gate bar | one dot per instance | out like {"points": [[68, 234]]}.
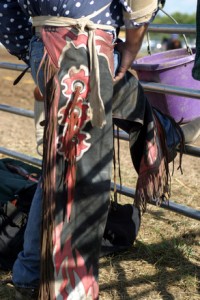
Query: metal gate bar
{"points": [[169, 205]]}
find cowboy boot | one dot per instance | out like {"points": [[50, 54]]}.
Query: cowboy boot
{"points": [[26, 293]]}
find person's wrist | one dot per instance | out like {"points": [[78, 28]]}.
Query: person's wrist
{"points": [[130, 47]]}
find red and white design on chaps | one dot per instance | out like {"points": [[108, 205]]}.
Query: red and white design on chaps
{"points": [[72, 140], [72, 279], [75, 77]]}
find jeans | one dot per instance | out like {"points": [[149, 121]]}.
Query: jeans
{"points": [[26, 270]]}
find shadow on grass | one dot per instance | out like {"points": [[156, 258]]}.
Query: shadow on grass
{"points": [[171, 260]]}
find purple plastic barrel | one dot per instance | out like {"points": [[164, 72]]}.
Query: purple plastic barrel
{"points": [[173, 67]]}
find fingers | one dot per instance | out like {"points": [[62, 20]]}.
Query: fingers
{"points": [[120, 74], [125, 65], [127, 57]]}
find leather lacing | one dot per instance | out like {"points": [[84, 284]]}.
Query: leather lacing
{"points": [[115, 161]]}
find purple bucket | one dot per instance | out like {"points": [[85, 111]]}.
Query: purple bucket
{"points": [[174, 68]]}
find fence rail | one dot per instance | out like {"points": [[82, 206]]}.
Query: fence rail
{"points": [[148, 86], [172, 28]]}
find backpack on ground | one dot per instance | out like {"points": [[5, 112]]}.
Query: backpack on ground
{"points": [[18, 182]]}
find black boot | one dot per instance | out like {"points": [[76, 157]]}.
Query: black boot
{"points": [[26, 293]]}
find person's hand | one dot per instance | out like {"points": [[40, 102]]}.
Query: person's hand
{"points": [[129, 49], [127, 57]]}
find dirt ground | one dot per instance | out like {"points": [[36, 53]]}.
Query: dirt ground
{"points": [[16, 131], [164, 262]]}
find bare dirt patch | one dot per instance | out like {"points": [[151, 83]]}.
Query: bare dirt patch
{"points": [[164, 262]]}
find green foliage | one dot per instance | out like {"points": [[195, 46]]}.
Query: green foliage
{"points": [[161, 18], [180, 18]]}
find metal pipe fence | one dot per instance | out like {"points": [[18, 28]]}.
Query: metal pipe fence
{"points": [[148, 86]]}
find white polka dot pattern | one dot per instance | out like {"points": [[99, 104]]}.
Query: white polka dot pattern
{"points": [[15, 27]]}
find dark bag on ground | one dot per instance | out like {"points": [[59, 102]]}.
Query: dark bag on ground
{"points": [[122, 227], [18, 182]]}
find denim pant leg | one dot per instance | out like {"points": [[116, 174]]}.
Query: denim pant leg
{"points": [[26, 269], [36, 53]]}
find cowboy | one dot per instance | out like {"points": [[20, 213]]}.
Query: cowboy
{"points": [[70, 46]]}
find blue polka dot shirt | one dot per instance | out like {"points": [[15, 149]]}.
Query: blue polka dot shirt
{"points": [[16, 28]]}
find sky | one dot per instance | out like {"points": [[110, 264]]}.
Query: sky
{"points": [[182, 6]]}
